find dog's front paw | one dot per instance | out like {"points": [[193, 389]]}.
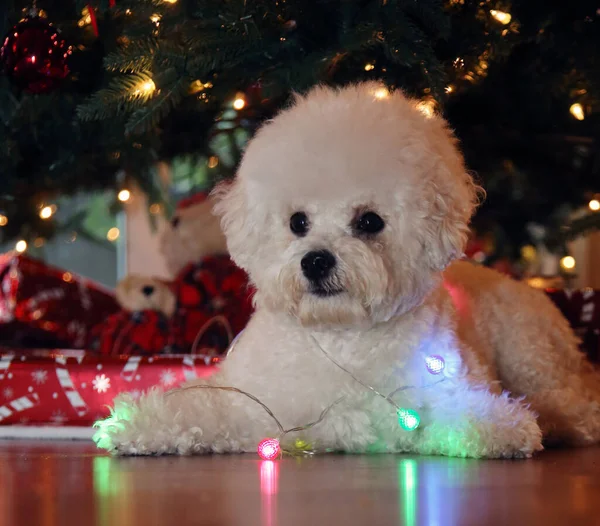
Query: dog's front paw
{"points": [[152, 426], [512, 432], [482, 425]]}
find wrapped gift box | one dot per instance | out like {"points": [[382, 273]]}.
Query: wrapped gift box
{"points": [[43, 306], [75, 388]]}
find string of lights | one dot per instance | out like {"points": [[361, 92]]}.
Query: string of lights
{"points": [[270, 448]]}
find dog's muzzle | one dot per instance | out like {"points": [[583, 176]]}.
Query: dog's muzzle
{"points": [[317, 267]]}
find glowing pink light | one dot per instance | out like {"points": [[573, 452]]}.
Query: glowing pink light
{"points": [[435, 364], [32, 59], [268, 449]]}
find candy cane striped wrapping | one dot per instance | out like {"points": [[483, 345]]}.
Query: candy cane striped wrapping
{"points": [[18, 405], [5, 360], [130, 368], [64, 379], [78, 354]]}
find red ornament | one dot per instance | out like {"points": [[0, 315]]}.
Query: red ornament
{"points": [[269, 449], [34, 55]]}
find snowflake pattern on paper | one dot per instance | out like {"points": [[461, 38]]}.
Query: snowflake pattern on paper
{"points": [[8, 392], [101, 383], [58, 417], [167, 377], [39, 376]]}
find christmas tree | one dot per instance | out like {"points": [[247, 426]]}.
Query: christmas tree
{"points": [[149, 80]]}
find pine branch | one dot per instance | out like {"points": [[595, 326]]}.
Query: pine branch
{"points": [[121, 96], [134, 58], [158, 108]]}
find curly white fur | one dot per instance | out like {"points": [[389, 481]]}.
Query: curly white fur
{"points": [[332, 155]]}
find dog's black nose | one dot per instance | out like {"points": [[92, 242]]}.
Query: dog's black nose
{"points": [[147, 290], [317, 265]]}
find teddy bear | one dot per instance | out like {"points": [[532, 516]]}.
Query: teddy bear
{"points": [[193, 233], [200, 311], [138, 293]]}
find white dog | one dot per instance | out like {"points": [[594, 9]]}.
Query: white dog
{"points": [[347, 212]]}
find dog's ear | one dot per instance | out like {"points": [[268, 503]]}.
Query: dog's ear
{"points": [[232, 207], [455, 195]]}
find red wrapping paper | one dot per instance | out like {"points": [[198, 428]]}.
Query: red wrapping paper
{"points": [[42, 306], [143, 333], [214, 288], [213, 305], [74, 388]]}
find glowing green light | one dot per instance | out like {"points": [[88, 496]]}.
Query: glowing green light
{"points": [[120, 413], [407, 486], [408, 419], [301, 445]]}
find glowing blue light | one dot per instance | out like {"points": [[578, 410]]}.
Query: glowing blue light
{"points": [[435, 364]]}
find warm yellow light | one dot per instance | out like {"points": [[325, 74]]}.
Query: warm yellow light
{"points": [[594, 205], [567, 263], [536, 283], [127, 11], [213, 161], [501, 16], [155, 18], [381, 93], [196, 86], [3, 220], [67, 276], [577, 111], [528, 253], [155, 208], [21, 246], [449, 88], [239, 103], [46, 212], [145, 88], [124, 195], [427, 107], [113, 234], [369, 67], [170, 1]]}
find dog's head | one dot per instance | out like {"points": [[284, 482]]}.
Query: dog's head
{"points": [[347, 206], [136, 293]]}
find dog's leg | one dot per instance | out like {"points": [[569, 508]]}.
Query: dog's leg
{"points": [[537, 357], [476, 423], [189, 422]]}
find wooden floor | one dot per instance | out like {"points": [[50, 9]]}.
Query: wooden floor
{"points": [[71, 484]]}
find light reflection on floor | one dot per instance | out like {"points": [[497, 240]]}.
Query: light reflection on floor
{"points": [[70, 485]]}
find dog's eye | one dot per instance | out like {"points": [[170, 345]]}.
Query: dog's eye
{"points": [[368, 223], [299, 224]]}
